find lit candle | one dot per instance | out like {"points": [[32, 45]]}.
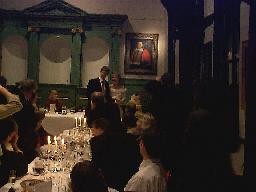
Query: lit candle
{"points": [[56, 144], [76, 121], [62, 145], [80, 121], [49, 143], [84, 121]]}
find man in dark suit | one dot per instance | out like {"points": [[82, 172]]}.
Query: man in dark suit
{"points": [[118, 149], [100, 85], [26, 120]]}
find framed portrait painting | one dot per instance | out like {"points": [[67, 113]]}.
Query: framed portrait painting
{"points": [[141, 54]]}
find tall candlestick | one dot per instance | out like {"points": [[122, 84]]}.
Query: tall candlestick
{"points": [[49, 143], [62, 145], [56, 144], [84, 121], [76, 121], [80, 121]]}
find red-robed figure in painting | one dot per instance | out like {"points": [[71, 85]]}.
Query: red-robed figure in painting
{"points": [[140, 56]]}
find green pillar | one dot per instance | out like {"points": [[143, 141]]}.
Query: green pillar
{"points": [[76, 59], [33, 54], [115, 50]]}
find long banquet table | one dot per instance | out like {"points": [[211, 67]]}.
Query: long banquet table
{"points": [[57, 160]]}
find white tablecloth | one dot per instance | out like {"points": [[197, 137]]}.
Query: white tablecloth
{"points": [[57, 123], [59, 181]]}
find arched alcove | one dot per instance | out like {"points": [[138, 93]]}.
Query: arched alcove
{"points": [[95, 55], [55, 61], [14, 56]]}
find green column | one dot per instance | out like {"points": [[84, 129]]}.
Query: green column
{"points": [[115, 50], [76, 59], [33, 55]]}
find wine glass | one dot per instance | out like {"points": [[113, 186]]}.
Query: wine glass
{"points": [[12, 177]]}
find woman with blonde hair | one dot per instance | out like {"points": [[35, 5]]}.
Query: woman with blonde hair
{"points": [[146, 123], [117, 89]]}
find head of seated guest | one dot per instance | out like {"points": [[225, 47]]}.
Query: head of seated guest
{"points": [[9, 134], [129, 119], [97, 100], [53, 99], [146, 123], [27, 90], [3, 81], [149, 145], [34, 101], [11, 158], [97, 108], [151, 175], [41, 134], [85, 177], [100, 126]]}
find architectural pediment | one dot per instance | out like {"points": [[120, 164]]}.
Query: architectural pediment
{"points": [[54, 8]]}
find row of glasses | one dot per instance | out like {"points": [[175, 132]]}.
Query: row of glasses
{"points": [[77, 148]]}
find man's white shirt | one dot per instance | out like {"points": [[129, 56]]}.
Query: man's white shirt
{"points": [[149, 178]]}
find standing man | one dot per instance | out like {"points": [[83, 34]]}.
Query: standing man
{"points": [[100, 85]]}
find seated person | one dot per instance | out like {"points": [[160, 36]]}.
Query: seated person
{"points": [[100, 109], [151, 175], [52, 99], [85, 177], [34, 101], [26, 119], [118, 149], [129, 119], [41, 134], [145, 122], [11, 157], [135, 99]]}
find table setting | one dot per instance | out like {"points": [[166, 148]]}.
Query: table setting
{"points": [[55, 123], [50, 171]]}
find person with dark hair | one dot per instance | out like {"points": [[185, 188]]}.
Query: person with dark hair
{"points": [[41, 133], [26, 119], [100, 126], [110, 149], [129, 119], [85, 177], [151, 175], [3, 81], [12, 157], [53, 100], [100, 109], [100, 85], [101, 146]]}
